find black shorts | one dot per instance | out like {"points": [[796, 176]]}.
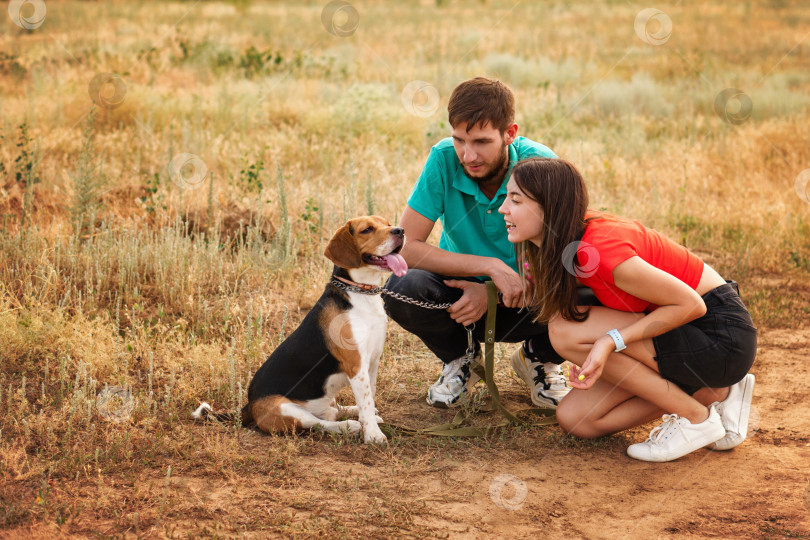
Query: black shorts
{"points": [[715, 350]]}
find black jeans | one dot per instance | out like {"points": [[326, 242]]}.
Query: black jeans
{"points": [[446, 338]]}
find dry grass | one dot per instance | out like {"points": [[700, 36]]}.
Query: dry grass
{"points": [[110, 274]]}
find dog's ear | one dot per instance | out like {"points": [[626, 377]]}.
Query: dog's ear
{"points": [[342, 249]]}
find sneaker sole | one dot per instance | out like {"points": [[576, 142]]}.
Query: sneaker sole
{"points": [[641, 454], [735, 439], [441, 404]]}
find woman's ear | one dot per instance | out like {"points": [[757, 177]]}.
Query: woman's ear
{"points": [[342, 249]]}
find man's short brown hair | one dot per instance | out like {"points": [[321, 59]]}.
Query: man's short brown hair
{"points": [[482, 101]]}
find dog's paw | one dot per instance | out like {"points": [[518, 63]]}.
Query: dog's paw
{"points": [[373, 435], [331, 414], [353, 427], [348, 412]]}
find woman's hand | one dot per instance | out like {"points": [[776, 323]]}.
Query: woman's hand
{"points": [[473, 302], [509, 283], [584, 377], [528, 293]]}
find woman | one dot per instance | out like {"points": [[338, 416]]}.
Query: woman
{"points": [[666, 317]]}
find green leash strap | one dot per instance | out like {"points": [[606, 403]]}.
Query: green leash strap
{"points": [[456, 427], [489, 353]]}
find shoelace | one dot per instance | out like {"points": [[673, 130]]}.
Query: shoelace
{"points": [[671, 422]]}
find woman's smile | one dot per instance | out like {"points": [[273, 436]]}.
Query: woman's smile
{"points": [[518, 209]]}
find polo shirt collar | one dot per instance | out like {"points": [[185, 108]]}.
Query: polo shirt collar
{"points": [[464, 184]]}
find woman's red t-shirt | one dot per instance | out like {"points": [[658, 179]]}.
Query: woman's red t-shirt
{"points": [[610, 240]]}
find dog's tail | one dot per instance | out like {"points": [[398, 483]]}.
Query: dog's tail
{"points": [[206, 413]]}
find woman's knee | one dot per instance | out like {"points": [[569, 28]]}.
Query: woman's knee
{"points": [[565, 417], [562, 335], [575, 422]]}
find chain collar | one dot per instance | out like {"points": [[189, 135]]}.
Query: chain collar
{"points": [[353, 286], [365, 288]]}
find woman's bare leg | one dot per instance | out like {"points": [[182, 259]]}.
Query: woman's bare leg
{"points": [[632, 391], [603, 409]]}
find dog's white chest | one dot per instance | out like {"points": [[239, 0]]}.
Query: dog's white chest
{"points": [[368, 320]]}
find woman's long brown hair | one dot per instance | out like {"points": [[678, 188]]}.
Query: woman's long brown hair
{"points": [[559, 189]]}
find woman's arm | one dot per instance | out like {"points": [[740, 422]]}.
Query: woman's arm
{"points": [[678, 304]]}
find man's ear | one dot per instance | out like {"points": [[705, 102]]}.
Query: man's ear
{"points": [[342, 249], [510, 134]]}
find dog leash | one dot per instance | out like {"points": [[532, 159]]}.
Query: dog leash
{"points": [[456, 427]]}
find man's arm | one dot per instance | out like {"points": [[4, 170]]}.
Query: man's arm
{"points": [[419, 254]]}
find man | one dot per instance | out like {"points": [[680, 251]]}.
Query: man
{"points": [[463, 184]]}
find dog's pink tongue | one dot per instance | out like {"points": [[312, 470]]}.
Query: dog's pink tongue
{"points": [[397, 264]]}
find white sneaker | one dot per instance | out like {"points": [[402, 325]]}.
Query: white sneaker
{"points": [[456, 379], [677, 437], [544, 379], [734, 412]]}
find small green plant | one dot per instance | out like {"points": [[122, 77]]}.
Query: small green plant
{"points": [[475, 403], [250, 176], [311, 216], [221, 61], [25, 174], [152, 200], [24, 162], [255, 62]]}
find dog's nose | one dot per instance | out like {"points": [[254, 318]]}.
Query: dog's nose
{"points": [[398, 231]]}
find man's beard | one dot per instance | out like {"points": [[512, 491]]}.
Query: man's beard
{"points": [[496, 173]]}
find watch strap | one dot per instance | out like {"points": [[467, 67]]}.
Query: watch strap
{"points": [[617, 340]]}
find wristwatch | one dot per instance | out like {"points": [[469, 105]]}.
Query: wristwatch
{"points": [[617, 339]]}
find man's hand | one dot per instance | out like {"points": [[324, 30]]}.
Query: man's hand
{"points": [[473, 302]]}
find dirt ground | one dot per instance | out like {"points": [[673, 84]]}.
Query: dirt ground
{"points": [[519, 483]]}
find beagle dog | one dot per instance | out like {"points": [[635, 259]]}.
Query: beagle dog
{"points": [[338, 343]]}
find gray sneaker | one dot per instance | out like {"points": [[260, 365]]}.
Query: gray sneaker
{"points": [[456, 379], [544, 379]]}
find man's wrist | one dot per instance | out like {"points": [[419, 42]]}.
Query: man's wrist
{"points": [[493, 266]]}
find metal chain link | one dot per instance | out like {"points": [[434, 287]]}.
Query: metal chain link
{"points": [[392, 294], [420, 303]]}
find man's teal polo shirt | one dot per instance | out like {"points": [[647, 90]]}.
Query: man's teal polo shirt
{"points": [[471, 223]]}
